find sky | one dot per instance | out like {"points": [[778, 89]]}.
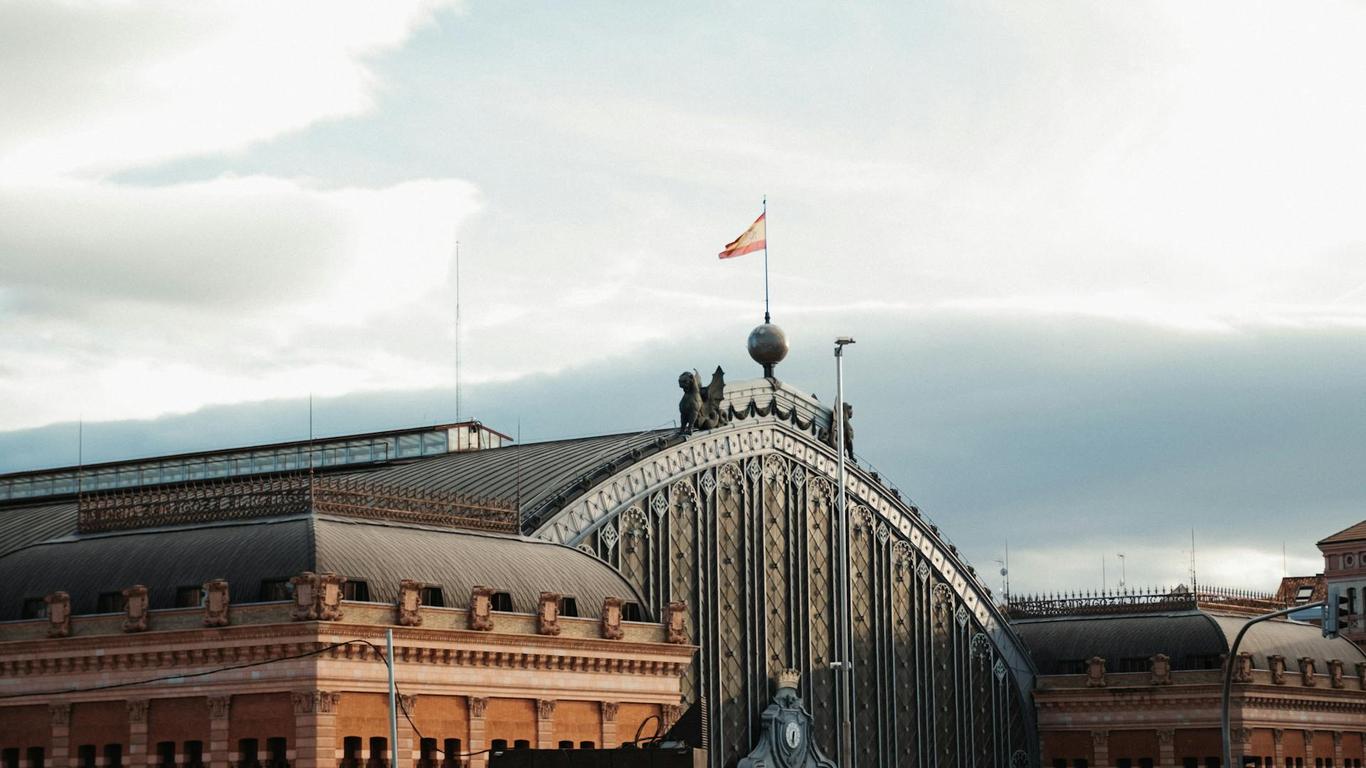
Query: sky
{"points": [[1105, 262]]}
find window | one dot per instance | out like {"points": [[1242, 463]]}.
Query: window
{"points": [[110, 602], [276, 748], [1060, 762], [85, 756], [189, 597], [501, 601], [113, 756], [432, 596], [1145, 762], [569, 607], [379, 751], [452, 757], [1305, 593], [1124, 762], [587, 745], [1079, 763], [427, 753], [166, 754], [34, 608], [194, 754], [1072, 667], [1190, 762], [498, 745], [9, 758], [248, 753], [566, 744], [631, 612], [36, 758], [1131, 664], [276, 589], [356, 590], [521, 744], [351, 752]]}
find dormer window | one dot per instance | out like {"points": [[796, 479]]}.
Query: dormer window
{"points": [[273, 590], [110, 602], [189, 597], [433, 597], [569, 606], [631, 612], [34, 608], [501, 601], [1304, 594], [356, 590]]}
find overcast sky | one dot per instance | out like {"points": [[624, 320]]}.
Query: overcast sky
{"points": [[1106, 261]]}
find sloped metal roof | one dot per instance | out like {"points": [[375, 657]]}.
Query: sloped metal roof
{"points": [[1354, 533], [247, 552], [1193, 640], [24, 525]]}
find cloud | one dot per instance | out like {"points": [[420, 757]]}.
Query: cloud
{"points": [[91, 88]]}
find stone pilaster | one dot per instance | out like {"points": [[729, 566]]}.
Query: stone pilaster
{"points": [[609, 725], [1337, 748], [1278, 741], [1166, 748], [1100, 749], [545, 724], [315, 728], [220, 708], [1241, 743], [478, 739], [407, 740], [1309, 748], [61, 734], [137, 734]]}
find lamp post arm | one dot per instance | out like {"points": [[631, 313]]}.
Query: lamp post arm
{"points": [[1228, 671]]}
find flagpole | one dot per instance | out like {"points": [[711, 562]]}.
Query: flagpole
{"points": [[766, 315]]}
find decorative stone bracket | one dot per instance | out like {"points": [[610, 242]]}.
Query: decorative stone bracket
{"points": [[1095, 672], [481, 609], [548, 614], [135, 609], [1307, 671], [1161, 666], [1242, 668], [58, 614], [611, 619], [1277, 664], [317, 596], [409, 603], [216, 603], [1335, 673], [676, 622]]}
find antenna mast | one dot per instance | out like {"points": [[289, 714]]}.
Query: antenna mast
{"points": [[457, 330]]}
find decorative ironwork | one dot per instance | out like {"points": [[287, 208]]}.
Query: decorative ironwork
{"points": [[273, 496], [1153, 600]]}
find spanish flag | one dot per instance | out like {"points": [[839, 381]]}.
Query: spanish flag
{"points": [[752, 240]]}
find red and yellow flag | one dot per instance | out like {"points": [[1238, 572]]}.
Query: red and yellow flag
{"points": [[752, 240]]}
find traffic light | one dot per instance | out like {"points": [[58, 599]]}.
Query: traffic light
{"points": [[1336, 610]]}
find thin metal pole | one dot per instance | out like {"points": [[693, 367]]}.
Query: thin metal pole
{"points": [[1228, 672], [767, 318], [845, 635], [393, 698]]}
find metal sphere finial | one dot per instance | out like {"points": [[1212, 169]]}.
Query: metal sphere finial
{"points": [[768, 346]]}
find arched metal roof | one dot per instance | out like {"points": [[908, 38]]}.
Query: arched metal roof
{"points": [[248, 552], [1193, 640]]}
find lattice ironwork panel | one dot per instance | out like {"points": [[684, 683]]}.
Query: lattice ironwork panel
{"points": [[865, 654], [775, 565], [821, 570], [905, 688], [683, 525], [733, 736], [635, 529], [943, 672]]}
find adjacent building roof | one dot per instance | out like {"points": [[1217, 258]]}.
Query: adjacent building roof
{"points": [[1192, 639], [246, 553], [1354, 533]]}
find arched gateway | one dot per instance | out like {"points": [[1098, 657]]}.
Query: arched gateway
{"points": [[737, 522]]}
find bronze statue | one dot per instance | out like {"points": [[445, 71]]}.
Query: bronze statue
{"points": [[832, 436], [702, 409]]}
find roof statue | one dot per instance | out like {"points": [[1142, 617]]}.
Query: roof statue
{"points": [[832, 436], [702, 409], [786, 738]]}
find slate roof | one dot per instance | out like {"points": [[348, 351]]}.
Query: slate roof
{"points": [[247, 552], [1193, 639]]}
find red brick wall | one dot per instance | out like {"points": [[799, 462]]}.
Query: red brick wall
{"points": [[260, 716], [630, 717], [1198, 743], [441, 718], [1134, 745], [363, 714], [1068, 745], [578, 721], [25, 727], [1323, 744], [510, 719], [99, 723], [178, 720]]}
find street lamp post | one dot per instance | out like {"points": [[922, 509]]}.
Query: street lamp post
{"points": [[844, 641]]}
